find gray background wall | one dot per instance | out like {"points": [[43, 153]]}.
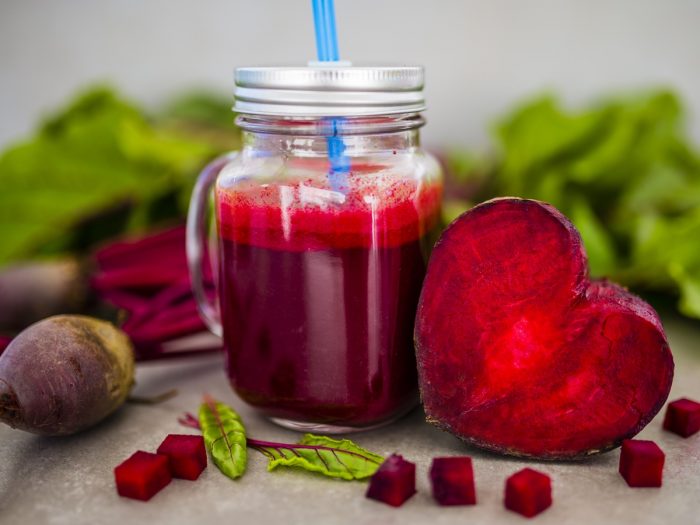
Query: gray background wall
{"points": [[480, 55]]}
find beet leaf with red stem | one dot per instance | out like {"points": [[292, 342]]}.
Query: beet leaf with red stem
{"points": [[335, 458]]}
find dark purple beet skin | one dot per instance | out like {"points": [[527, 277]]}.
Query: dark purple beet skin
{"points": [[64, 374], [147, 277], [520, 352]]}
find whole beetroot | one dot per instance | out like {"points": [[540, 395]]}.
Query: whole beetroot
{"points": [[64, 374], [32, 291]]}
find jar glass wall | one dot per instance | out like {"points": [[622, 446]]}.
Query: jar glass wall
{"points": [[320, 271]]}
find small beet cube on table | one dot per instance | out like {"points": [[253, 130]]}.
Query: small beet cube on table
{"points": [[683, 417], [453, 481], [186, 455], [641, 463], [394, 482], [142, 475], [528, 492]]}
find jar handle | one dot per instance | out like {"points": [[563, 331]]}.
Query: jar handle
{"points": [[197, 240]]}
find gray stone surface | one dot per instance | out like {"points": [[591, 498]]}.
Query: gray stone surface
{"points": [[69, 480]]}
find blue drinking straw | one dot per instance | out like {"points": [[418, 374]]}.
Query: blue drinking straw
{"points": [[326, 37], [327, 51]]}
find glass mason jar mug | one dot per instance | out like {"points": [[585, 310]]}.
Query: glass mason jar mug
{"points": [[324, 222]]}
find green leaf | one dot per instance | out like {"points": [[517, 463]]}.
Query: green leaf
{"points": [[204, 107], [597, 240], [98, 153], [540, 133], [689, 303], [451, 209], [224, 436], [623, 169], [330, 457]]}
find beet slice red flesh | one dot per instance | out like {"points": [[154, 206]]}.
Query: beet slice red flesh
{"points": [[186, 455], [641, 463], [452, 479], [394, 482], [142, 476], [528, 492], [519, 352], [683, 417]]}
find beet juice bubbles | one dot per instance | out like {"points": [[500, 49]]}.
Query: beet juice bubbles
{"points": [[325, 221]]}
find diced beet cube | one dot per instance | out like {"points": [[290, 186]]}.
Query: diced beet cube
{"points": [[186, 455], [683, 417], [641, 463], [528, 492], [453, 481], [142, 475], [394, 482]]}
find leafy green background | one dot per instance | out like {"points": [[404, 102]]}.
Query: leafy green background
{"points": [[622, 169], [100, 167]]}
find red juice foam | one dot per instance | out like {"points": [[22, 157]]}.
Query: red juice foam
{"points": [[318, 294]]}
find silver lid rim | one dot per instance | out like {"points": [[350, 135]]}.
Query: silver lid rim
{"points": [[329, 91], [272, 110]]}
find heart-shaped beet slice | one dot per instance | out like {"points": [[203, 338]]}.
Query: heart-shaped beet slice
{"points": [[520, 353]]}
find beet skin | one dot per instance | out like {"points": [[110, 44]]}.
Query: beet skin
{"points": [[520, 353], [32, 291], [63, 374]]}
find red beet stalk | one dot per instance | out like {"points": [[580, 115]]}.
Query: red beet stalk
{"points": [[133, 252], [188, 420], [148, 279], [174, 321], [144, 278]]}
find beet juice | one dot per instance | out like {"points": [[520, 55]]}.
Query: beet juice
{"points": [[318, 302], [325, 220]]}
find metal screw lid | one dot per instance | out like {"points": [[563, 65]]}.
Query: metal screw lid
{"points": [[329, 90]]}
